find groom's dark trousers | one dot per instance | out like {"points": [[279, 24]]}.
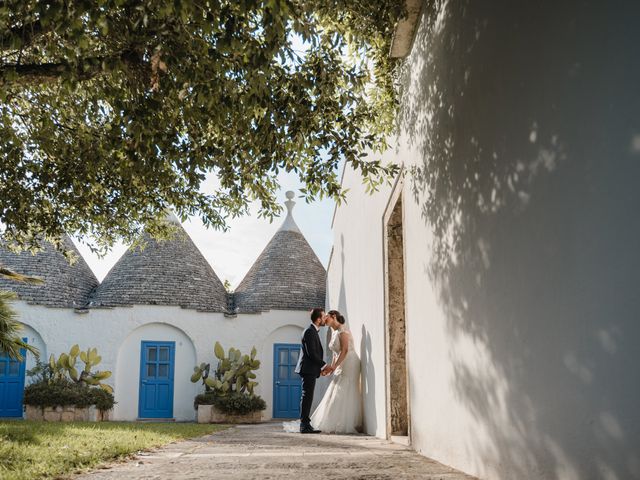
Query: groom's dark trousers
{"points": [[310, 363], [306, 400]]}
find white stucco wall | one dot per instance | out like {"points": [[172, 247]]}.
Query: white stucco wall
{"points": [[520, 122], [356, 289], [117, 334]]}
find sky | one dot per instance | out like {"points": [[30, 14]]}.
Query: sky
{"points": [[232, 253]]}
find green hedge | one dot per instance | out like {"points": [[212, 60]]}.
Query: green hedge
{"points": [[233, 403], [62, 393]]}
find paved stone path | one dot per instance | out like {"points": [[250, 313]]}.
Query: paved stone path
{"points": [[265, 452]]}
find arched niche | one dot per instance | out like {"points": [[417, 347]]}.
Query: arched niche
{"points": [[127, 372], [33, 338], [284, 334]]}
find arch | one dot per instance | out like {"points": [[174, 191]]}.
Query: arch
{"points": [[289, 333], [33, 338], [127, 371]]}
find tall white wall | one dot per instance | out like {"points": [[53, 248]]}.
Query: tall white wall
{"points": [[356, 289], [520, 132], [117, 334]]}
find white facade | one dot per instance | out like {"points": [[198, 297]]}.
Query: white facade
{"points": [[117, 333], [520, 137], [149, 343]]}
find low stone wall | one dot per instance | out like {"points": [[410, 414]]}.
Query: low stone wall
{"points": [[67, 413], [210, 414]]}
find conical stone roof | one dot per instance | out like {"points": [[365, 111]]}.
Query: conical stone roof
{"points": [[65, 285], [286, 276], [164, 272]]}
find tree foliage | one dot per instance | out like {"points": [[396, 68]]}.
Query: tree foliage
{"points": [[10, 342], [113, 110]]}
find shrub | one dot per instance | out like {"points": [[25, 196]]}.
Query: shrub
{"points": [[64, 392], [203, 399], [233, 403], [239, 403]]}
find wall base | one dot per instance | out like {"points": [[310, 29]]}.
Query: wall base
{"points": [[67, 413]]}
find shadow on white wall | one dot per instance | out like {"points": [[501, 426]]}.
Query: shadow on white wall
{"points": [[526, 118]]}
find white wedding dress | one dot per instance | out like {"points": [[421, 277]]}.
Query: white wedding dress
{"points": [[340, 410]]}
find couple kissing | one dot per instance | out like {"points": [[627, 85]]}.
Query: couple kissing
{"points": [[339, 411]]}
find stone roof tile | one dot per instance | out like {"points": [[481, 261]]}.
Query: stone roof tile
{"points": [[286, 276], [65, 285], [164, 272]]}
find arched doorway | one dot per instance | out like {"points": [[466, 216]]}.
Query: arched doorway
{"points": [[13, 374], [398, 423], [153, 373], [282, 390]]}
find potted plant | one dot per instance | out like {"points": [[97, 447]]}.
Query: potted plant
{"points": [[59, 392], [229, 391]]}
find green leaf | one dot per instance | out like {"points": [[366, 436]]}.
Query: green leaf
{"points": [[106, 388], [219, 351], [103, 375]]}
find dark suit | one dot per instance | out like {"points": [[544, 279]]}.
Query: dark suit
{"points": [[310, 363]]}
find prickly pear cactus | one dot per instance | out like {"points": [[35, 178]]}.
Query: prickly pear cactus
{"points": [[234, 373], [65, 367]]}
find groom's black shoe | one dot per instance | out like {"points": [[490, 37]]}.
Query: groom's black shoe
{"points": [[308, 429]]}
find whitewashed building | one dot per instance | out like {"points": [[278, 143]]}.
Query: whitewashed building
{"points": [[158, 313], [493, 289]]}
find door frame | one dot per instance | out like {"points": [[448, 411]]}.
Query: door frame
{"points": [[172, 367], [397, 194]]}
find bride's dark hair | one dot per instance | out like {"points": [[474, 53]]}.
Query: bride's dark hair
{"points": [[339, 317]]}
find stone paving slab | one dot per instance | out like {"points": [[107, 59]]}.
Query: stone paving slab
{"points": [[266, 452]]}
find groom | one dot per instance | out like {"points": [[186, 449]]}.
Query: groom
{"points": [[310, 365]]}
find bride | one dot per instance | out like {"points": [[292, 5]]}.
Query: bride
{"points": [[340, 410]]}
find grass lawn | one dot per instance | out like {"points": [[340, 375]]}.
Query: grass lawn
{"points": [[32, 450]]}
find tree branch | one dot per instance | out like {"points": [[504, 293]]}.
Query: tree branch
{"points": [[85, 69], [43, 72]]}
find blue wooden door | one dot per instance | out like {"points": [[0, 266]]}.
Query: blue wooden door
{"points": [[11, 385], [287, 384], [156, 380]]}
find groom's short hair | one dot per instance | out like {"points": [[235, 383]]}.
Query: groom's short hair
{"points": [[316, 313]]}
